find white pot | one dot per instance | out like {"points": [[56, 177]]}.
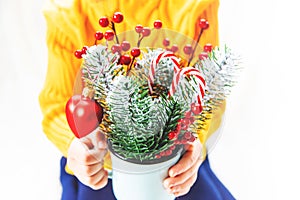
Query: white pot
{"points": [[140, 181]]}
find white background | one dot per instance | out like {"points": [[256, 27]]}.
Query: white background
{"points": [[257, 154]]}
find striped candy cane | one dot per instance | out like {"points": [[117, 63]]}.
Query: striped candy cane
{"points": [[189, 71], [154, 63]]}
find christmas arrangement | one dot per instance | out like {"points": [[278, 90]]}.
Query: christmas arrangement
{"points": [[149, 100]]}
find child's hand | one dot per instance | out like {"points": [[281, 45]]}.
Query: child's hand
{"points": [[183, 175], [86, 159]]}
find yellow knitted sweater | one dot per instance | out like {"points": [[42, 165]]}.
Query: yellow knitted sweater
{"points": [[71, 25]]}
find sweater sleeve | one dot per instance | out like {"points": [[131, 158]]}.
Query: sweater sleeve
{"points": [[61, 73]]}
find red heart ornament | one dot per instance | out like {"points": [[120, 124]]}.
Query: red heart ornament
{"points": [[83, 115]]}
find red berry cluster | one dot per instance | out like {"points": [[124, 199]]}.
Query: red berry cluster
{"points": [[78, 53], [174, 48], [188, 49], [206, 50], [109, 35], [204, 25], [142, 32], [181, 135], [146, 31], [105, 22]]}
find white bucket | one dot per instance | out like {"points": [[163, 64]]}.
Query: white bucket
{"points": [[140, 181]]}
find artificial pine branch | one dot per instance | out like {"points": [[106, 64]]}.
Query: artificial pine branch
{"points": [[139, 124], [220, 70]]}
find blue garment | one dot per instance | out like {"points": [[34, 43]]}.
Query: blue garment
{"points": [[207, 187]]}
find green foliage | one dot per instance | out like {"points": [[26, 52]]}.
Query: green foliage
{"points": [[139, 124], [220, 71]]}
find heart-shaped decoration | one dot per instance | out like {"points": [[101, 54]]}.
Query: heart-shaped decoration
{"points": [[83, 115]]}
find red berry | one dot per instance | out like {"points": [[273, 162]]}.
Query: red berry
{"points": [[98, 35], [178, 127], [118, 17], [203, 23], [116, 48], [183, 141], [192, 119], [135, 52], [78, 54], [125, 45], [177, 142], [207, 47], [157, 156], [168, 152], [187, 135], [104, 22], [173, 147], [174, 48], [188, 49], [171, 135], [146, 31], [188, 114], [109, 35], [125, 60], [138, 28], [185, 122], [157, 24], [192, 139], [166, 42], [196, 108], [84, 49], [184, 127], [203, 55]]}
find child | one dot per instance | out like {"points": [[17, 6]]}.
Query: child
{"points": [[71, 25]]}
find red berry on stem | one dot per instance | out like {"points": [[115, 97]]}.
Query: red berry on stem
{"points": [[188, 114], [78, 54], [125, 60], [196, 108], [157, 156], [146, 31], [174, 48], [187, 135], [166, 42], [203, 55], [125, 45], [138, 28], [104, 22], [171, 135], [192, 139], [157, 24], [116, 48], [203, 23], [188, 49], [98, 35], [135, 52], [185, 122], [192, 119], [183, 141], [84, 49], [109, 35], [168, 152], [118, 17], [208, 47]]}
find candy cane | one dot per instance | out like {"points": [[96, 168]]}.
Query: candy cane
{"points": [[189, 71], [154, 63]]}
